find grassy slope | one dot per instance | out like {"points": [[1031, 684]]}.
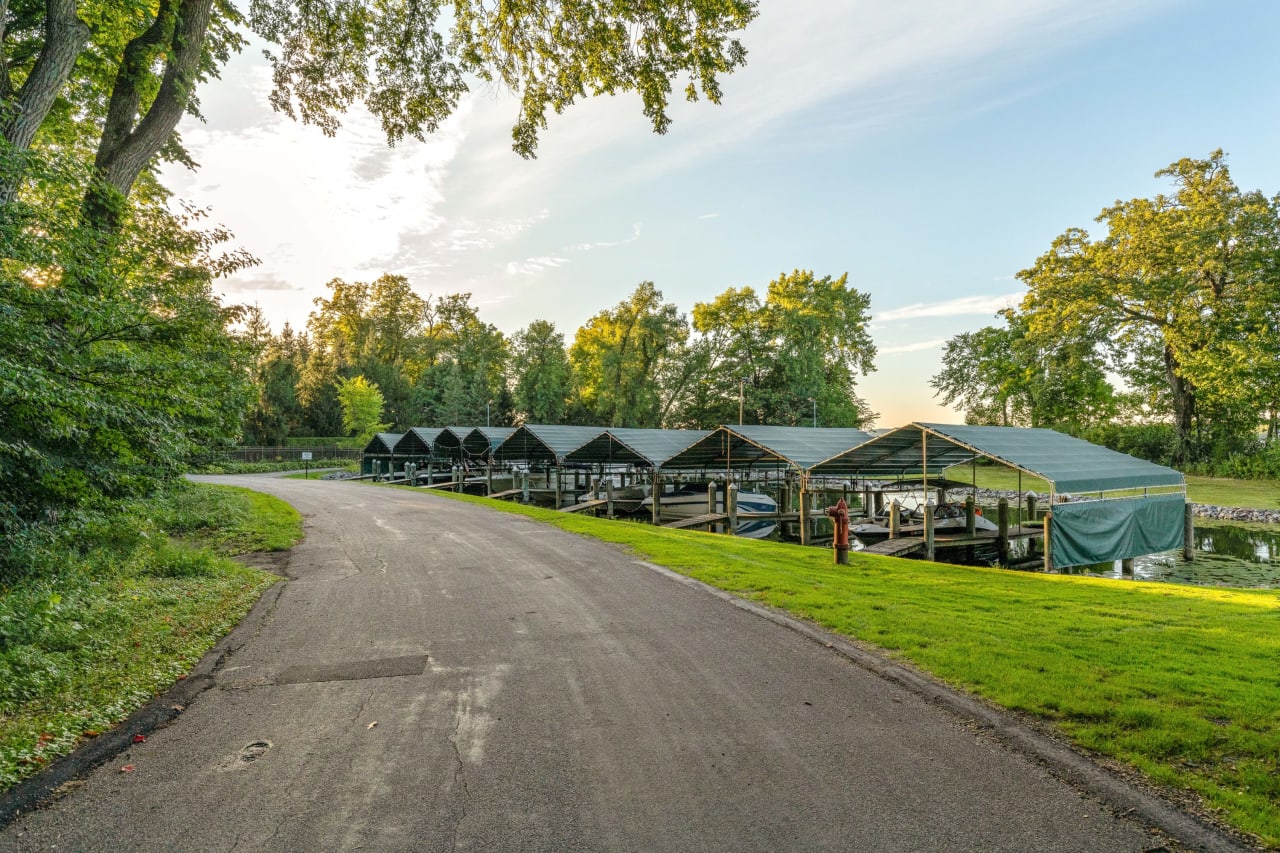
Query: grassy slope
{"points": [[1177, 681], [84, 644]]}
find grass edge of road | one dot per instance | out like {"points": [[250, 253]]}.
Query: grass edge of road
{"points": [[118, 605], [1163, 678]]}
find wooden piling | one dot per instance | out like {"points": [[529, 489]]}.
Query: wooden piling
{"points": [[970, 516], [655, 492], [608, 497], [804, 511], [711, 498], [895, 519], [731, 507], [1002, 533], [1188, 533], [1048, 550], [928, 532], [1031, 507]]}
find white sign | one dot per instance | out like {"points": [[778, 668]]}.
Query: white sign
{"points": [[306, 456]]}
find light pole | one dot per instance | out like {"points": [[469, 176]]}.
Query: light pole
{"points": [[742, 381], [814, 400], [487, 403]]}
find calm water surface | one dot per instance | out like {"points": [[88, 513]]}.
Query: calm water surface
{"points": [[1226, 555]]}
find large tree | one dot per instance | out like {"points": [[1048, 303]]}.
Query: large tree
{"points": [[132, 68], [798, 351], [620, 353], [541, 374], [1007, 376], [1188, 280]]}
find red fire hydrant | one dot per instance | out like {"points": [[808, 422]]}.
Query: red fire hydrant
{"points": [[840, 515]]}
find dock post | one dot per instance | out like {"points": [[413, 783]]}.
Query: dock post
{"points": [[970, 517], [731, 507], [1188, 533], [928, 531], [1031, 507], [1048, 551], [895, 518], [608, 497], [711, 498], [1002, 534], [804, 510], [524, 486], [656, 493], [488, 477]]}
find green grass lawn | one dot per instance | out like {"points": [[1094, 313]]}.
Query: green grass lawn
{"points": [[122, 607], [1220, 491], [1180, 682]]}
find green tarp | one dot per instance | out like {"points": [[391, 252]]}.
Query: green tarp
{"points": [[1086, 532]]}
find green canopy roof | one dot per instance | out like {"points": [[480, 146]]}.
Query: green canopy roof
{"points": [[418, 441], [482, 440], [383, 442], [647, 447], [1069, 464], [749, 446], [545, 443]]}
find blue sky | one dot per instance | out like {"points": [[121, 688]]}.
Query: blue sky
{"points": [[930, 150]]}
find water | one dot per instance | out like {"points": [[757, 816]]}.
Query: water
{"points": [[1235, 555]]}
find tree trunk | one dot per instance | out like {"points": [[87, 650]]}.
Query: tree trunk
{"points": [[1184, 407], [65, 37], [178, 34]]}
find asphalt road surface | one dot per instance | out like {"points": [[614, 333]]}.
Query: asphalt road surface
{"points": [[437, 676]]}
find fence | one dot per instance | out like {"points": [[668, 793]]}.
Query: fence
{"points": [[291, 454]]}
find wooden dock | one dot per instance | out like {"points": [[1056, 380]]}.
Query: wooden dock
{"points": [[584, 506], [899, 547], [697, 520], [509, 493], [450, 485]]}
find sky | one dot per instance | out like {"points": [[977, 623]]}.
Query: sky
{"points": [[930, 150]]}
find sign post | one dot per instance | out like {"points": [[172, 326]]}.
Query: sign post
{"points": [[306, 457]]}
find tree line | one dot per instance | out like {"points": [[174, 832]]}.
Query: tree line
{"points": [[776, 357], [118, 363], [1161, 336]]}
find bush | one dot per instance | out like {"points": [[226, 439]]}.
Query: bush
{"points": [[1153, 442]]}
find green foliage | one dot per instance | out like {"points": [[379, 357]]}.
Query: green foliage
{"points": [[618, 355], [117, 368], [361, 408], [1009, 376], [802, 347], [111, 609], [394, 59], [1181, 292], [543, 377]]}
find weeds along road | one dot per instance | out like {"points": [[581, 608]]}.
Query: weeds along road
{"points": [[437, 676]]}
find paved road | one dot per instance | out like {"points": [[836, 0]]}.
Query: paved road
{"points": [[441, 677]]}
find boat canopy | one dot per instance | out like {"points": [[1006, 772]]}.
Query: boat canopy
{"points": [[383, 444], [417, 443], [482, 440], [752, 446], [648, 448], [544, 442], [1068, 464]]}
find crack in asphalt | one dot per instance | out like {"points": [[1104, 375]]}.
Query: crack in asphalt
{"points": [[459, 775]]}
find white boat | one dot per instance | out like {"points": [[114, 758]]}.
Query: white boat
{"points": [[947, 518], [686, 501]]}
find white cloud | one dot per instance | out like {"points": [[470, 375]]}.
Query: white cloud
{"points": [[964, 305], [709, 216], [606, 244], [534, 266], [919, 346]]}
